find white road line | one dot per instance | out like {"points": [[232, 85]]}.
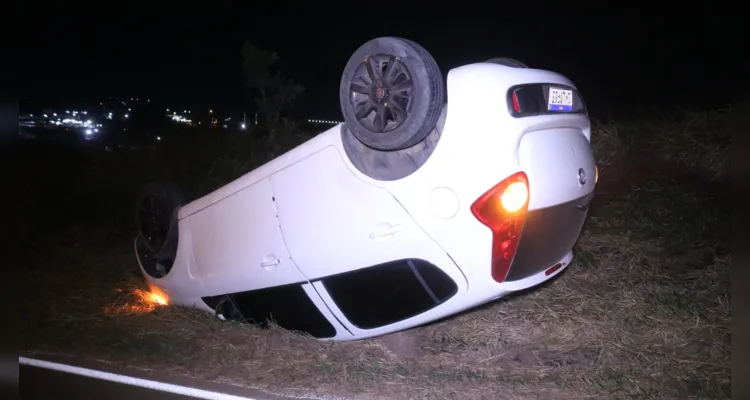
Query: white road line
{"points": [[129, 380]]}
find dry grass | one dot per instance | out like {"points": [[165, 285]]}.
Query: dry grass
{"points": [[643, 312], [694, 141]]}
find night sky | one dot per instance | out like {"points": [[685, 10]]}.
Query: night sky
{"points": [[189, 53]]}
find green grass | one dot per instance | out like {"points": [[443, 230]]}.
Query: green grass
{"points": [[643, 312]]}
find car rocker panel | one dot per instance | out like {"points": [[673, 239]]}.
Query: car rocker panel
{"points": [[313, 243]]}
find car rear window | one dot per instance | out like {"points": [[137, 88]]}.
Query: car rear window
{"points": [[534, 99]]}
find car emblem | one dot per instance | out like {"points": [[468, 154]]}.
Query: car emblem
{"points": [[581, 176]]}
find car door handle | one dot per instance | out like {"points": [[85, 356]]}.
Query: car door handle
{"points": [[387, 230], [270, 262]]}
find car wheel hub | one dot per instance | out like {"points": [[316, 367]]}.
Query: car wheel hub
{"points": [[381, 93]]}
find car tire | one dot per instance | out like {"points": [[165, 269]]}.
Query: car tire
{"points": [[391, 165], [508, 62], [391, 108], [156, 219]]}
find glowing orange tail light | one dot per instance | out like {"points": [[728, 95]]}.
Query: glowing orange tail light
{"points": [[503, 210], [157, 296]]}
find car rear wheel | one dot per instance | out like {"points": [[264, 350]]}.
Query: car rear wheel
{"points": [[156, 219], [508, 62], [392, 93]]}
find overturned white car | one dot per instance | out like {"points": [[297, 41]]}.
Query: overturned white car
{"points": [[412, 210]]}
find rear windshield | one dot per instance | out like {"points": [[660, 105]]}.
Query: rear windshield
{"points": [[544, 98]]}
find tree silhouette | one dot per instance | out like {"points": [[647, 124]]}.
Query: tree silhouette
{"points": [[273, 92]]}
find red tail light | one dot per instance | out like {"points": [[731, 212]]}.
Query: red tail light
{"points": [[516, 106], [503, 210], [553, 269]]}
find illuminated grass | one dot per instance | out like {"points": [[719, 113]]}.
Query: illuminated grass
{"points": [[642, 312]]}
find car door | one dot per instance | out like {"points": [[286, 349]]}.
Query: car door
{"points": [[238, 245], [344, 233]]}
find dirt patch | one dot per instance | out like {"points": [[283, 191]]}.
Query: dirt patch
{"points": [[405, 344]]}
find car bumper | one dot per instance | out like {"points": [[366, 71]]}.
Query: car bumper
{"points": [[548, 236]]}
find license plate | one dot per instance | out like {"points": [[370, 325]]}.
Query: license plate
{"points": [[560, 99]]}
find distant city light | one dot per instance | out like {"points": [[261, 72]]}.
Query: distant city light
{"points": [[180, 118], [74, 119], [322, 121]]}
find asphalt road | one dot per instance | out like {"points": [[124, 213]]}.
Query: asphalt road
{"points": [[39, 383], [66, 378]]}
